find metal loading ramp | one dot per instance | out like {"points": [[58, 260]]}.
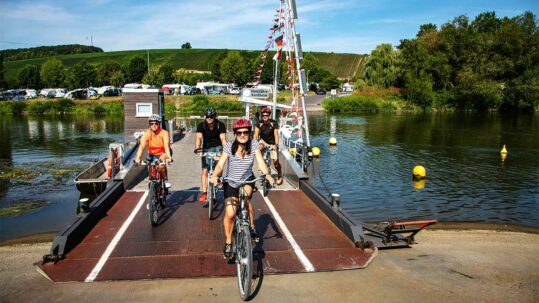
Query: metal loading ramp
{"points": [[187, 245]]}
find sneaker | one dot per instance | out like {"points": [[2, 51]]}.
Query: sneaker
{"points": [[279, 180], [203, 197], [254, 234], [167, 184], [227, 251]]}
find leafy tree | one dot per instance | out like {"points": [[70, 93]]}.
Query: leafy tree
{"points": [[381, 66], [52, 73], [154, 77], [186, 45], [234, 69], [29, 77], [216, 67], [329, 82], [105, 71], [136, 69], [117, 78], [83, 74], [426, 28], [168, 73]]}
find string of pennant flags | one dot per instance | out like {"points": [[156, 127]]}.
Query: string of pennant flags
{"points": [[275, 30]]}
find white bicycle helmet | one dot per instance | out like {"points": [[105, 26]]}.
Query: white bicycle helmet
{"points": [[155, 117]]}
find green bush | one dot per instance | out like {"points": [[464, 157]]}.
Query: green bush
{"points": [[37, 107], [353, 103], [62, 105], [12, 107], [97, 108]]}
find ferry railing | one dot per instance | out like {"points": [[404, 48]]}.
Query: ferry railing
{"points": [[290, 137]]}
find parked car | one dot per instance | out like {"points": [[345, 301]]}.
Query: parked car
{"points": [[112, 92], [235, 91], [82, 94], [31, 94], [321, 91], [47, 93], [193, 91], [215, 92]]}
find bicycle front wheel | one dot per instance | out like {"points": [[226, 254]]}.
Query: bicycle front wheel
{"points": [[244, 262], [153, 201], [211, 200]]}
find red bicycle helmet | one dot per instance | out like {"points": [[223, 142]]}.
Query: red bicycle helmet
{"points": [[266, 109], [242, 123]]}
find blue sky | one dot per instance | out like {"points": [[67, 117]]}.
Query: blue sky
{"points": [[325, 25]]}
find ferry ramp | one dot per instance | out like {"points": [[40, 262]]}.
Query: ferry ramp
{"points": [[295, 235]]}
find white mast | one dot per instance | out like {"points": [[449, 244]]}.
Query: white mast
{"points": [[292, 15]]}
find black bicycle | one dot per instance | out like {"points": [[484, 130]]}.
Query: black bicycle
{"points": [[266, 152], [157, 191], [211, 188], [243, 246]]}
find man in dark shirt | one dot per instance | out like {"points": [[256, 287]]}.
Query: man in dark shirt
{"points": [[267, 131], [210, 135]]}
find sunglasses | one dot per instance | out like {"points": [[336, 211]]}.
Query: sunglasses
{"points": [[266, 115], [154, 123], [240, 133], [210, 117]]}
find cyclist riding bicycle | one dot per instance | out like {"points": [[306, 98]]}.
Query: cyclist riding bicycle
{"points": [[268, 131], [211, 134], [239, 155], [158, 141]]}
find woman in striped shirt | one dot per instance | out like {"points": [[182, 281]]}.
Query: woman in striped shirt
{"points": [[240, 155]]}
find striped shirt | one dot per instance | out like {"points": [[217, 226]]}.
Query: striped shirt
{"points": [[238, 168]]}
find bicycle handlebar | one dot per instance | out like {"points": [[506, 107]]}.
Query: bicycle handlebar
{"points": [[206, 153], [242, 183]]}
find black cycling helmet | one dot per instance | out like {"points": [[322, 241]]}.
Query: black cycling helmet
{"points": [[210, 111]]}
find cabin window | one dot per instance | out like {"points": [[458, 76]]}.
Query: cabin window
{"points": [[144, 109]]}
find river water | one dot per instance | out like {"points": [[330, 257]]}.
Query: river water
{"points": [[371, 166]]}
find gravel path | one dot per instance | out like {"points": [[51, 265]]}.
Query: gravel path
{"points": [[446, 266]]}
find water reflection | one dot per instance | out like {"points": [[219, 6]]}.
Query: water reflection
{"points": [[371, 167], [55, 148]]}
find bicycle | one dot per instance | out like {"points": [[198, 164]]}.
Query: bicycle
{"points": [[157, 191], [242, 246], [211, 188], [266, 152]]}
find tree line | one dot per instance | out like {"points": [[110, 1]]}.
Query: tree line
{"points": [[481, 64], [236, 67], [47, 51]]}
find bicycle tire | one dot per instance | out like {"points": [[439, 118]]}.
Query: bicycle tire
{"points": [[211, 199], [162, 195], [244, 262], [153, 202]]}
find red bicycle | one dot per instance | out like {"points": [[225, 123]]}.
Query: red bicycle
{"points": [[157, 191]]}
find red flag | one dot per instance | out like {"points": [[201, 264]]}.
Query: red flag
{"points": [[279, 42]]}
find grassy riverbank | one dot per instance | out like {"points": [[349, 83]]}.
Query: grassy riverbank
{"points": [[371, 99], [224, 104]]}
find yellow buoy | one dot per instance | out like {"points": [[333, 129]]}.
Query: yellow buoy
{"points": [[503, 151], [419, 172], [316, 151], [292, 151], [332, 141]]}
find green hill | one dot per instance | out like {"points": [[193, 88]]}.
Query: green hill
{"points": [[341, 65]]}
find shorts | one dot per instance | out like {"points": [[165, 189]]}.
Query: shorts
{"points": [[235, 192], [153, 158], [205, 161], [273, 150]]}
